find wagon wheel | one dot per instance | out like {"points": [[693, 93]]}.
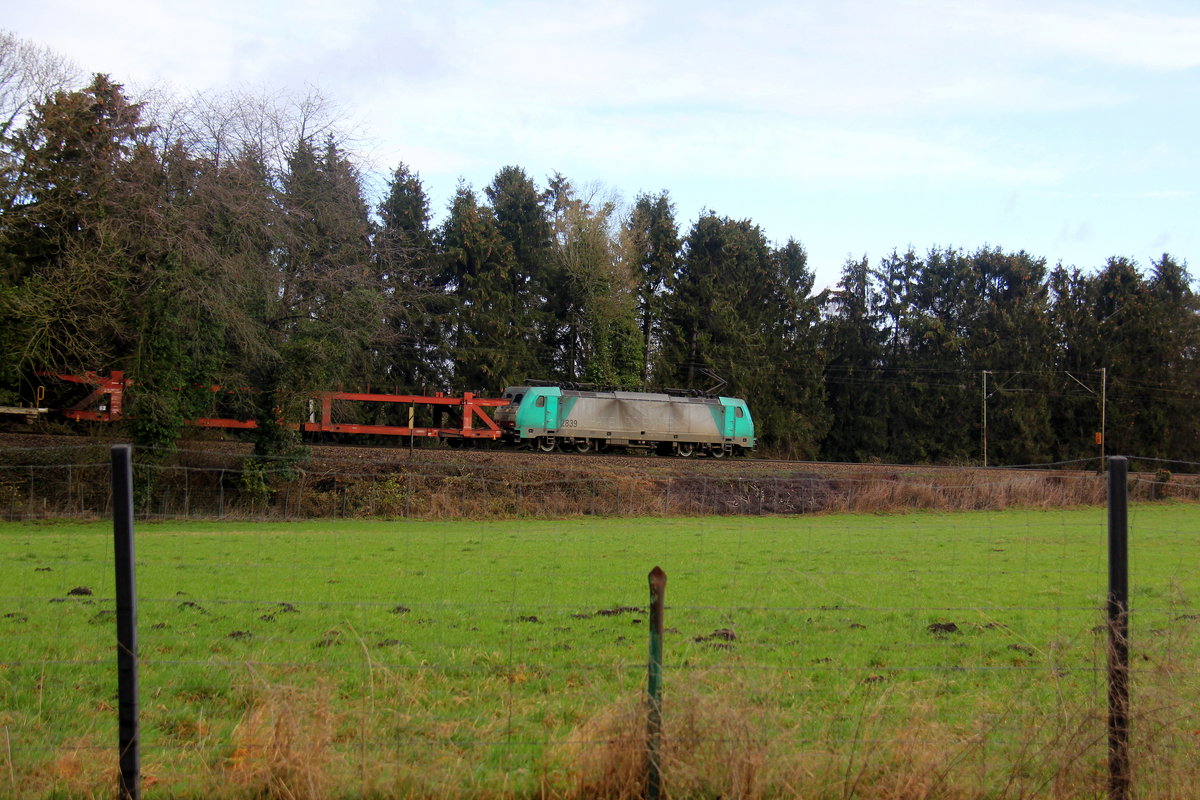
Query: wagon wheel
{"points": [[583, 446], [547, 445], [684, 449]]}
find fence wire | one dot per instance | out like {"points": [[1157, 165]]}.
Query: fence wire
{"points": [[481, 632]]}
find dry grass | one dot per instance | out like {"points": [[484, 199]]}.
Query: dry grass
{"points": [[971, 490], [710, 748], [442, 484], [82, 769], [723, 737], [627, 491], [720, 742], [282, 748]]}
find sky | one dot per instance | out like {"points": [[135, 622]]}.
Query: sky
{"points": [[1065, 129]]}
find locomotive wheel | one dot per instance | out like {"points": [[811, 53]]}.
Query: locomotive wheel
{"points": [[583, 446], [717, 452], [547, 445], [684, 450]]}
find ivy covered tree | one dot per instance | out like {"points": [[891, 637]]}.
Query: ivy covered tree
{"points": [[598, 335], [81, 189], [173, 348]]}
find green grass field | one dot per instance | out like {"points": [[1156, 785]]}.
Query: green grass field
{"points": [[846, 653]]}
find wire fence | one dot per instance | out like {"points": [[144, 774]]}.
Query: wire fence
{"points": [[73, 483], [486, 634]]}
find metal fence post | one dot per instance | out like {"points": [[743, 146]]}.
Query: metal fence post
{"points": [[1119, 768], [658, 587], [129, 786]]}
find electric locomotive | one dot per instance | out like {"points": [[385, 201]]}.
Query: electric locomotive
{"points": [[550, 418]]}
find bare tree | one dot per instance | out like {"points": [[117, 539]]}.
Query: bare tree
{"points": [[28, 72], [223, 127]]}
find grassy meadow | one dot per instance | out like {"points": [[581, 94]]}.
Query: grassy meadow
{"points": [[910, 655]]}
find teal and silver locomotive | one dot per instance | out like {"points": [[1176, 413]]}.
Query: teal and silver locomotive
{"points": [[552, 418]]}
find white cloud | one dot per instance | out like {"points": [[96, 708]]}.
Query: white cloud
{"points": [[864, 60], [1147, 40], [789, 58]]}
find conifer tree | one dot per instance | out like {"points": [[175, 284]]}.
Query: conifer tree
{"points": [[854, 357], [65, 271], [1009, 334], [326, 313], [738, 311], [651, 242], [795, 347], [533, 284], [488, 326], [1171, 422], [414, 354], [1075, 413]]}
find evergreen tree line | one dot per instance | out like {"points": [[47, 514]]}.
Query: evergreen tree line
{"points": [[231, 241]]}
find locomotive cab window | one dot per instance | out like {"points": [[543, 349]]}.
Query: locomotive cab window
{"points": [[517, 398], [541, 401], [738, 412]]}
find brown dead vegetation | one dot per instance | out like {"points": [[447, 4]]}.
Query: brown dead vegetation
{"points": [[219, 481], [720, 741]]}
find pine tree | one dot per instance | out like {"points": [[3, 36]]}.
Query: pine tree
{"points": [[854, 357], [739, 312], [414, 354], [1146, 333], [63, 262], [535, 286], [325, 317], [1075, 413], [489, 324], [1009, 334], [937, 418], [651, 242], [795, 346], [1172, 425]]}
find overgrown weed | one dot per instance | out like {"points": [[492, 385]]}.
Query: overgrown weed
{"points": [[282, 749]]}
